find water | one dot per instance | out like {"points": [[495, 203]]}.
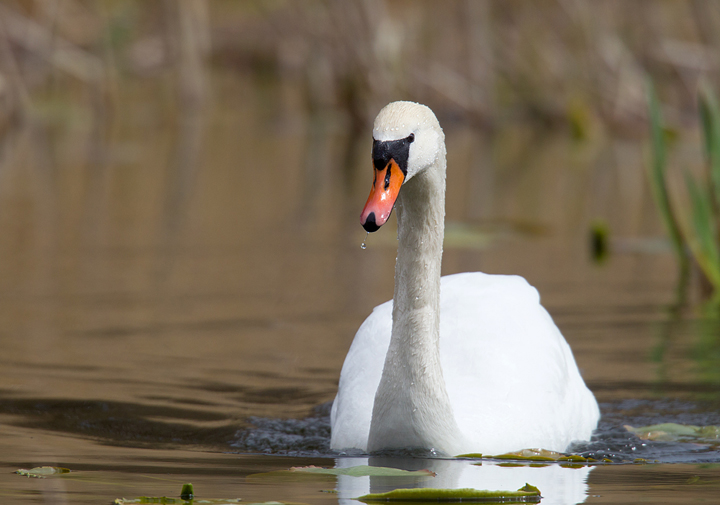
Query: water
{"points": [[177, 301]]}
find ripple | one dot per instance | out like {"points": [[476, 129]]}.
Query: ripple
{"points": [[611, 440], [291, 437], [311, 436]]}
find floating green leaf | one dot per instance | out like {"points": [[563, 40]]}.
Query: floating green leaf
{"points": [[527, 494], [365, 470], [536, 457], [164, 500], [179, 501], [531, 455], [575, 458], [187, 498], [41, 472], [672, 432], [352, 471]]}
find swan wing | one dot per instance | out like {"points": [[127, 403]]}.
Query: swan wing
{"points": [[510, 375], [359, 379]]}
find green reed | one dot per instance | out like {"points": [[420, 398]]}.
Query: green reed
{"points": [[696, 237]]}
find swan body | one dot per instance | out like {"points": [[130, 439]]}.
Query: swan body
{"points": [[467, 363]]}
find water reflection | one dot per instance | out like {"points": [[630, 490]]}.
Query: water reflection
{"points": [[183, 279], [557, 484]]}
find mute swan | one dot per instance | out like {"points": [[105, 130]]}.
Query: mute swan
{"points": [[467, 363]]}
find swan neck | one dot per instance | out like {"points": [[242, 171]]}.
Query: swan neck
{"points": [[421, 226], [412, 407]]}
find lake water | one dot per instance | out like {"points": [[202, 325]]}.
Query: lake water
{"points": [[177, 295]]}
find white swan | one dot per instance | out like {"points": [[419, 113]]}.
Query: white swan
{"points": [[467, 363]]}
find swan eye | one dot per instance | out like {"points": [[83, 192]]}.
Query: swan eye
{"points": [[411, 137]]}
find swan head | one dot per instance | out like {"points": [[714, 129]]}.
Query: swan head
{"points": [[407, 140]]}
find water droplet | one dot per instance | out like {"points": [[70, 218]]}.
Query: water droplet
{"points": [[363, 246]]}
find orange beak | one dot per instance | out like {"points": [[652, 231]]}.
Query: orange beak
{"points": [[383, 194]]}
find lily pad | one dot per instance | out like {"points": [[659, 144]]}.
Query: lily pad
{"points": [[672, 432], [352, 471], [531, 455], [187, 498], [527, 494], [364, 471], [576, 458], [179, 501], [536, 457], [41, 472]]}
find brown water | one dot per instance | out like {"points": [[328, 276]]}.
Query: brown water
{"points": [[165, 277]]}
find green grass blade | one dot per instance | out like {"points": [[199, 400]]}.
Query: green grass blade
{"points": [[710, 118], [657, 176], [703, 243]]}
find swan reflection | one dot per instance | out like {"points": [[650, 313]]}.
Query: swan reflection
{"points": [[557, 484]]}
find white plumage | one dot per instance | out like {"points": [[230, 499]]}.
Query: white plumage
{"points": [[494, 375]]}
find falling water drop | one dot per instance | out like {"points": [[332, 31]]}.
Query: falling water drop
{"points": [[363, 246]]}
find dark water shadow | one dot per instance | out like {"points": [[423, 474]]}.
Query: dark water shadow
{"points": [[137, 425], [121, 423]]}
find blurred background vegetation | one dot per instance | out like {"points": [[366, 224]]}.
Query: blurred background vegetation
{"points": [[577, 68], [574, 64]]}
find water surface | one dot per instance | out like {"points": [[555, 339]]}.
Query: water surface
{"points": [[177, 296]]}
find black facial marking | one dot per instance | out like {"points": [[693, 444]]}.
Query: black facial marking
{"points": [[397, 150], [370, 225]]}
